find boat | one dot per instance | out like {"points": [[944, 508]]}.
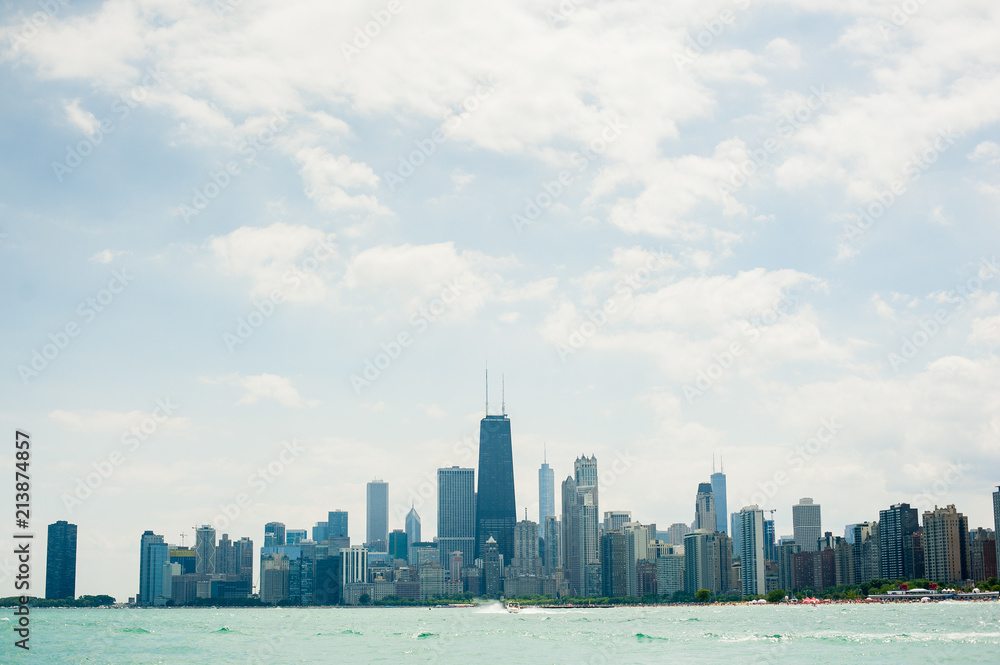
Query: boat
{"points": [[513, 607]]}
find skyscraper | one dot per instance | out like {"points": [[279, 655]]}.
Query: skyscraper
{"points": [[496, 511], [896, 526], [946, 545], [274, 534], [377, 535], [60, 561], [546, 495], [153, 555], [676, 533], [412, 526], [719, 492], [581, 549], [770, 553], [552, 557], [806, 524], [204, 550], [752, 565], [336, 524], [456, 528], [614, 520], [996, 521], [526, 560], [704, 509]]}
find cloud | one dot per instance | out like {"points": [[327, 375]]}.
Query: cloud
{"points": [[80, 118], [264, 386], [328, 178], [107, 422], [106, 256], [987, 152]]}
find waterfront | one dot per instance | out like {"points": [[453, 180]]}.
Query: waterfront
{"points": [[903, 633]]}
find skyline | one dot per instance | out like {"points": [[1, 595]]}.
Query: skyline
{"points": [[240, 261]]}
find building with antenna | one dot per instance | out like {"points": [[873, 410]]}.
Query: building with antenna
{"points": [[718, 481], [496, 512], [546, 493]]}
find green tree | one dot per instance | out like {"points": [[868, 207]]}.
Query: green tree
{"points": [[703, 595], [364, 599], [776, 596]]}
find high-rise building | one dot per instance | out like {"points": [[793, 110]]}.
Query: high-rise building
{"points": [[412, 526], [704, 509], [295, 536], [552, 556], [614, 569], [734, 531], [770, 553], [585, 471], [153, 554], [896, 526], [719, 493], [786, 572], [354, 564], [60, 561], [996, 521], [982, 554], [581, 549], [398, 545], [708, 561], [204, 550], [638, 549], [946, 545], [377, 534], [676, 533], [752, 563], [526, 560], [546, 495], [614, 520], [320, 531], [807, 524], [226, 562], [244, 558], [492, 567], [495, 508], [456, 517], [865, 552], [274, 534], [336, 524]]}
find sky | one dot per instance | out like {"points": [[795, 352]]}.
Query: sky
{"points": [[254, 255]]}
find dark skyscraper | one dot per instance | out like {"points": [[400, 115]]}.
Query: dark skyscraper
{"points": [[377, 534], [895, 530], [60, 562], [496, 513]]}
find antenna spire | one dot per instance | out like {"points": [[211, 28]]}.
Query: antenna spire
{"points": [[545, 459], [487, 389], [503, 399]]}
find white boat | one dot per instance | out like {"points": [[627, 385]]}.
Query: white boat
{"points": [[513, 607]]}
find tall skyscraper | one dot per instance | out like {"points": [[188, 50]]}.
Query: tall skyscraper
{"points": [[946, 545], [719, 493], [204, 550], [60, 561], [996, 521], [153, 555], [896, 526], [398, 545], [546, 495], [526, 560], [274, 534], [614, 568], [734, 531], [552, 557], [456, 527], [704, 509], [806, 524], [496, 511], [770, 553], [226, 558], [581, 549], [377, 535], [707, 561], [412, 526], [752, 567]]}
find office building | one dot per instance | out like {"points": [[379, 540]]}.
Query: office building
{"points": [[60, 561], [412, 526], [153, 554], [495, 507], [456, 515], [204, 550], [769, 544], [896, 526], [354, 564], [704, 509], [614, 571], [708, 561], [294, 536], [377, 533], [274, 534], [676, 533], [398, 545], [581, 548], [614, 520], [718, 481], [546, 495], [551, 551], [526, 560], [806, 524]]}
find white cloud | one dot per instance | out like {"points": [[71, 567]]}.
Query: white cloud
{"points": [[987, 152], [80, 118], [106, 256], [328, 178], [264, 386]]}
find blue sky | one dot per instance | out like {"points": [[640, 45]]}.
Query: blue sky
{"points": [[838, 102]]}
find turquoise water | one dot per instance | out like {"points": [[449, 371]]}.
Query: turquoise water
{"points": [[934, 633]]}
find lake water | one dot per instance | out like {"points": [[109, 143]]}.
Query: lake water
{"points": [[929, 633]]}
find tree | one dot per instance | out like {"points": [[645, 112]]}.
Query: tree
{"points": [[703, 595], [364, 599], [776, 596]]}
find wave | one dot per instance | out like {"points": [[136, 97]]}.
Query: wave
{"points": [[650, 638]]}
